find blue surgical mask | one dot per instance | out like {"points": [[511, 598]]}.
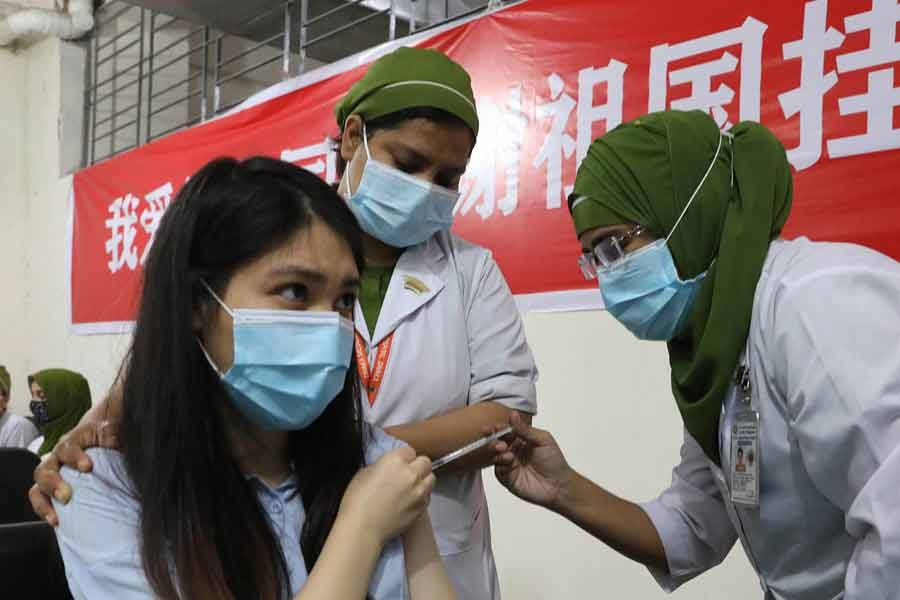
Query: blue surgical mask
{"points": [[643, 290], [397, 208], [646, 295], [288, 365]]}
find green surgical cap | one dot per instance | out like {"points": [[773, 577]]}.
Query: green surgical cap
{"points": [[411, 78]]}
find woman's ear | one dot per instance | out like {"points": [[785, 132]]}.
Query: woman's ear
{"points": [[200, 317], [351, 137]]}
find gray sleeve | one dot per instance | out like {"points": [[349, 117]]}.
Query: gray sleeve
{"points": [[22, 433], [691, 519], [503, 368]]}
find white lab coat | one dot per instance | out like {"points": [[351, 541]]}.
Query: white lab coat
{"points": [[457, 341], [824, 359]]}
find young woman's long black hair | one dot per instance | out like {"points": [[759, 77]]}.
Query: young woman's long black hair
{"points": [[203, 531]]}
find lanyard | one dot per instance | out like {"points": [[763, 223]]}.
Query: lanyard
{"points": [[371, 378]]}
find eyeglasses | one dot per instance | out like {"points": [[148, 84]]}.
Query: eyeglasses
{"points": [[606, 252]]}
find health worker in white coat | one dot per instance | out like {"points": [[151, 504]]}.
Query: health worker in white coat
{"points": [[440, 345], [785, 365]]}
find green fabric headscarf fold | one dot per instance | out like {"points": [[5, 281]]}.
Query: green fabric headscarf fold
{"points": [[5, 379], [644, 172], [411, 78], [68, 398]]}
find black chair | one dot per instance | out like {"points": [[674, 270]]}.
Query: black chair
{"points": [[16, 476], [31, 567]]}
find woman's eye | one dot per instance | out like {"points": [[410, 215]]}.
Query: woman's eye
{"points": [[450, 184], [294, 293], [346, 302]]}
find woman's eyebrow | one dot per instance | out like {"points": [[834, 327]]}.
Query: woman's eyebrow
{"points": [[311, 275], [407, 152]]}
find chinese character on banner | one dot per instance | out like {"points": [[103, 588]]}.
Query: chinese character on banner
{"points": [[613, 75], [558, 145], [325, 163], [881, 97], [807, 99], [120, 245], [477, 188], [515, 122], [503, 136], [158, 201], [699, 75]]}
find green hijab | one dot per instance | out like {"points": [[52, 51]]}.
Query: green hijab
{"points": [[68, 398], [5, 380], [644, 172]]}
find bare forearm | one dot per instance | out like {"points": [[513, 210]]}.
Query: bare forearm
{"points": [[344, 567], [620, 524], [98, 412], [425, 572], [443, 434], [108, 409]]}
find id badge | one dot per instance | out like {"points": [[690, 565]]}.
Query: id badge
{"points": [[745, 458]]}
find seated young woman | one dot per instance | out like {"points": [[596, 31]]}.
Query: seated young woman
{"points": [[245, 471]]}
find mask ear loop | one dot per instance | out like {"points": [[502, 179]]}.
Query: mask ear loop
{"points": [[368, 157], [730, 137], [199, 343], [209, 358], [366, 142], [697, 189], [219, 300]]}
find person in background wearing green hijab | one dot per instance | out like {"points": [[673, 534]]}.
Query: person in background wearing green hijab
{"points": [[15, 431], [786, 351], [440, 344], [59, 398]]}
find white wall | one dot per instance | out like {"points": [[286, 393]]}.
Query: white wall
{"points": [[604, 395], [13, 215], [33, 233]]}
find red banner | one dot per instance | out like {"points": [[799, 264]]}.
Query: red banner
{"points": [[551, 75]]}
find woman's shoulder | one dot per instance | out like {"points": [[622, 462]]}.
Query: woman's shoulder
{"points": [[379, 443], [794, 262], [103, 492], [99, 531], [105, 463]]}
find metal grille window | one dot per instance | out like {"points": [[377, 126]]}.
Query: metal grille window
{"points": [[154, 69]]}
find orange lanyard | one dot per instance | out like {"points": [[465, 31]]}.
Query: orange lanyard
{"points": [[371, 378]]}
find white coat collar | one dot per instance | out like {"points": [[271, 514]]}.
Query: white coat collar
{"points": [[413, 284]]}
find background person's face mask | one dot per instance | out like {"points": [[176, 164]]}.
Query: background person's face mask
{"points": [[40, 411], [288, 365], [644, 292], [397, 208]]}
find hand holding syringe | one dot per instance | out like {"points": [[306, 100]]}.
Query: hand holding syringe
{"points": [[469, 448]]}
